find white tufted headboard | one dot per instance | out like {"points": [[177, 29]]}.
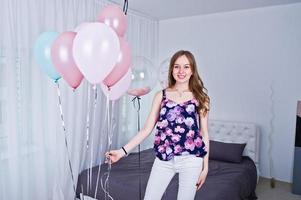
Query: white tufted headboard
{"points": [[237, 132]]}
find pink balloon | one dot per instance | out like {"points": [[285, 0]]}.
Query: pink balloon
{"points": [[122, 65], [62, 58], [113, 16], [95, 51], [139, 91], [117, 90]]}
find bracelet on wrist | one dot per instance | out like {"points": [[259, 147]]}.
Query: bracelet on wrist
{"points": [[125, 152]]}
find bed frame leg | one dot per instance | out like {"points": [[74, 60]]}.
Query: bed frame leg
{"points": [[272, 182]]}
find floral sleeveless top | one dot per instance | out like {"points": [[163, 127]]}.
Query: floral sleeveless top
{"points": [[177, 130]]}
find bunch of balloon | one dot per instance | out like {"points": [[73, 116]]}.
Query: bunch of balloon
{"points": [[95, 51], [143, 81], [116, 78], [52, 52]]}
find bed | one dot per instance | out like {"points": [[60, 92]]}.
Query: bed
{"points": [[226, 180]]}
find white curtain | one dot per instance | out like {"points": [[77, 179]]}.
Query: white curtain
{"points": [[33, 157]]}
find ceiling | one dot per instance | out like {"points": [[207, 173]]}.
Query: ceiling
{"points": [[166, 9]]}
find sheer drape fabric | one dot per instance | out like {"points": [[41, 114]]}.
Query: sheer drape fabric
{"points": [[33, 157]]}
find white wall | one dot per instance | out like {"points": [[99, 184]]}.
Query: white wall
{"points": [[240, 55]]}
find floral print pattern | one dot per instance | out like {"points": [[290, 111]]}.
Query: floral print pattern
{"points": [[177, 130]]}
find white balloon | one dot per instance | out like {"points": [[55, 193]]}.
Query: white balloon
{"points": [[95, 50]]}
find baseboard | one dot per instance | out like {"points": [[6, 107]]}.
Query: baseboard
{"points": [[277, 180]]}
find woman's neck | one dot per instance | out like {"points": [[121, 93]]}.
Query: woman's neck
{"points": [[181, 86]]}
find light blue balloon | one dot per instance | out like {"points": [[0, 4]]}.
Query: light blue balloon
{"points": [[42, 54]]}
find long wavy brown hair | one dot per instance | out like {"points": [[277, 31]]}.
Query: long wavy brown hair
{"points": [[196, 85]]}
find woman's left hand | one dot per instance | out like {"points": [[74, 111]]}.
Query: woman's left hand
{"points": [[201, 179]]}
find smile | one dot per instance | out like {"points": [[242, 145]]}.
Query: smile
{"points": [[181, 76]]}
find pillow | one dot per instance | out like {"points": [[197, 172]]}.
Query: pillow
{"points": [[229, 152]]}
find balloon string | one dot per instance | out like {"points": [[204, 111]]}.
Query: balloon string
{"points": [[65, 134], [109, 164], [99, 166], [105, 185], [88, 120], [137, 98], [125, 6], [109, 148], [111, 126], [88, 134], [92, 141], [113, 121]]}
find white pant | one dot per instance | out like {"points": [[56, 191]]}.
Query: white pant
{"points": [[189, 168]]}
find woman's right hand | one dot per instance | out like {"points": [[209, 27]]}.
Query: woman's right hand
{"points": [[114, 155]]}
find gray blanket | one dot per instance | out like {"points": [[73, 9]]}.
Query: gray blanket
{"points": [[225, 181]]}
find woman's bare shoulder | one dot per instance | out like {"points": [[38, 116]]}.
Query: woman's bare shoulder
{"points": [[158, 95]]}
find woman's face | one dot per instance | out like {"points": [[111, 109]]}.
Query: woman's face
{"points": [[182, 70]]}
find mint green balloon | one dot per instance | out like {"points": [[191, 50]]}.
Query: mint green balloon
{"points": [[42, 54]]}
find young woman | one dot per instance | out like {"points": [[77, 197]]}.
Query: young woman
{"points": [[180, 113]]}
